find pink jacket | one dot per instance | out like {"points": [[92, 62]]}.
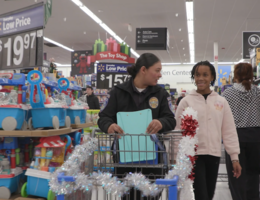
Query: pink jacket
{"points": [[216, 122]]}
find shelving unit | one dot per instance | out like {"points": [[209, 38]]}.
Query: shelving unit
{"points": [[79, 126]]}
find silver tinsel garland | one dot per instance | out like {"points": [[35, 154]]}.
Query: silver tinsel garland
{"points": [[112, 185]]}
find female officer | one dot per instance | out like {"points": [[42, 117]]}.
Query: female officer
{"points": [[139, 93]]}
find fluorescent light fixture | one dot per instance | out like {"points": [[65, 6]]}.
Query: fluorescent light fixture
{"points": [[107, 29], [191, 37], [103, 25], [91, 14], [77, 2], [166, 64], [58, 44], [63, 65], [135, 53], [119, 39], [190, 24]]}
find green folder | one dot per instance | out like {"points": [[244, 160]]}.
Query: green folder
{"points": [[135, 123]]}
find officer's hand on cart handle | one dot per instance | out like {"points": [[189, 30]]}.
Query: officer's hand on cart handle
{"points": [[237, 169], [154, 127], [114, 128]]}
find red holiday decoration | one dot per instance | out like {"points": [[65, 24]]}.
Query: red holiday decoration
{"points": [[189, 125]]}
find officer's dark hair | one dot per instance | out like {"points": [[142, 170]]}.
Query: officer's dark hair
{"points": [[146, 59], [205, 63]]}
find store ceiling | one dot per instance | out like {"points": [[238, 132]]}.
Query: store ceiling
{"points": [[219, 21]]}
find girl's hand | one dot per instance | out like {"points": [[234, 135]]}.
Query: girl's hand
{"points": [[236, 169]]}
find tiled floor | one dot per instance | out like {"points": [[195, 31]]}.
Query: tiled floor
{"points": [[222, 192]]}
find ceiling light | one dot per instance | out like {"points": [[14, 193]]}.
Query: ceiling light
{"points": [[129, 27], [84, 32], [135, 53], [184, 54], [120, 40], [65, 19], [181, 40], [183, 48], [165, 64], [177, 14], [179, 29], [91, 14], [77, 2], [63, 65], [58, 44], [103, 25], [190, 24]]}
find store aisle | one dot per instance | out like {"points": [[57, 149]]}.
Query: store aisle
{"points": [[222, 191]]}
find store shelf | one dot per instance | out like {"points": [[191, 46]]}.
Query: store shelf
{"points": [[36, 133], [18, 197], [86, 125]]}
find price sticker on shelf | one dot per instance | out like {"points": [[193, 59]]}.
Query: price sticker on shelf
{"points": [[110, 75], [19, 51]]}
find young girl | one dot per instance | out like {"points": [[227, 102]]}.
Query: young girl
{"points": [[216, 123]]}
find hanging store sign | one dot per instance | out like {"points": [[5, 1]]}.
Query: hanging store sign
{"points": [[110, 74], [21, 38], [250, 41]]}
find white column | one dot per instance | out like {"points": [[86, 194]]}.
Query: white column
{"points": [[216, 61]]}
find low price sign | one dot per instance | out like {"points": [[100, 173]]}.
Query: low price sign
{"points": [[111, 74], [21, 38]]}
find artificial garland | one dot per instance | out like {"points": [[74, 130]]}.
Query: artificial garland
{"points": [[183, 168]]}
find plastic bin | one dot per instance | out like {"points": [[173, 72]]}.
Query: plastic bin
{"points": [[77, 116], [37, 184], [10, 183], [12, 118], [49, 117]]}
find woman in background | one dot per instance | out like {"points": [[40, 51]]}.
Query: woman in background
{"points": [[244, 101]]}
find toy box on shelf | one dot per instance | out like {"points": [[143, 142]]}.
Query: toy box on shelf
{"points": [[49, 155], [14, 160], [53, 113], [77, 108], [12, 102]]}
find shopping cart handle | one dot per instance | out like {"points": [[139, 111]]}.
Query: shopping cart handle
{"points": [[61, 178], [173, 131], [171, 182]]}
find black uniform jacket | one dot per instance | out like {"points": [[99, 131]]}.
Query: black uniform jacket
{"points": [[120, 99]]}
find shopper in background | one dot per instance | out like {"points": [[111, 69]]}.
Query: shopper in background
{"points": [[140, 92], [215, 123], [92, 100], [244, 100], [180, 98]]}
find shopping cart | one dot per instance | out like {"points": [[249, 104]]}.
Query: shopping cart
{"points": [[153, 163]]}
